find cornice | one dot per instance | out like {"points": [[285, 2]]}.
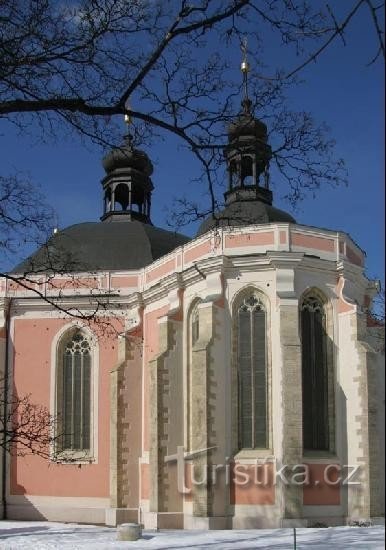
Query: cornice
{"points": [[162, 288], [345, 267], [207, 269], [249, 263], [82, 304], [285, 259], [212, 264], [318, 264]]}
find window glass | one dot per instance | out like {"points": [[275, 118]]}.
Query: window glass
{"points": [[252, 374], [74, 393], [315, 375]]}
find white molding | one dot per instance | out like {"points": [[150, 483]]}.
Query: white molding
{"points": [[161, 288], [144, 459], [174, 298], [83, 305], [133, 319], [214, 287], [3, 305]]}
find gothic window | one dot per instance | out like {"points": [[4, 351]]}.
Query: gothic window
{"points": [[316, 375], [195, 325], [74, 392], [194, 333], [252, 374]]}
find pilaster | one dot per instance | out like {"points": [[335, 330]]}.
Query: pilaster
{"points": [[365, 498], [202, 421], [291, 384], [166, 424], [125, 427]]}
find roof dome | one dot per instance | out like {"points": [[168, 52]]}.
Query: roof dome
{"points": [[125, 239], [242, 213], [248, 154], [247, 125], [126, 156], [98, 246]]}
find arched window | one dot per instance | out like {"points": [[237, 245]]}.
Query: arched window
{"points": [[247, 171], [193, 336], [74, 392], [252, 374], [317, 375], [195, 324], [122, 196], [234, 174]]}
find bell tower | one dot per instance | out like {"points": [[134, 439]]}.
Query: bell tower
{"points": [[127, 186], [248, 153]]}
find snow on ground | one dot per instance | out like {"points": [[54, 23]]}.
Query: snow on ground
{"points": [[41, 535]]}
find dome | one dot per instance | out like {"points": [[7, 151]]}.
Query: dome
{"points": [[248, 200], [248, 212], [247, 125], [126, 156], [99, 246]]}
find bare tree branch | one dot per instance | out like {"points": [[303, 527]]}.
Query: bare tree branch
{"points": [[79, 64], [26, 427], [380, 34], [338, 31]]}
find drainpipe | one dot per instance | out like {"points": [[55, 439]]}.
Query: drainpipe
{"points": [[5, 407]]}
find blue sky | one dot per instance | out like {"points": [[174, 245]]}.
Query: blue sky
{"points": [[339, 89]]}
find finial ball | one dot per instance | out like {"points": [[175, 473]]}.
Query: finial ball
{"points": [[245, 67]]}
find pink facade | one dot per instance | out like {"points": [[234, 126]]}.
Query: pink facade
{"points": [[190, 380], [253, 485], [198, 251], [160, 271], [250, 239], [34, 347], [153, 311], [307, 241]]}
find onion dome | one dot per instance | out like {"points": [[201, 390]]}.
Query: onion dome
{"points": [[248, 199], [127, 185], [126, 156], [125, 238], [247, 125]]}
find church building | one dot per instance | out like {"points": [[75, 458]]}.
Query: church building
{"points": [[232, 380]]}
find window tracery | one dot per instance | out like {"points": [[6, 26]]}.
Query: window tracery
{"points": [[74, 392], [317, 383], [252, 375]]}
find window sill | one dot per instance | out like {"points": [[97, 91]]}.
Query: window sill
{"points": [[73, 457], [248, 455]]}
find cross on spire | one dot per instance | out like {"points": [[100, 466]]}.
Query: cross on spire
{"points": [[127, 117], [245, 68]]}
